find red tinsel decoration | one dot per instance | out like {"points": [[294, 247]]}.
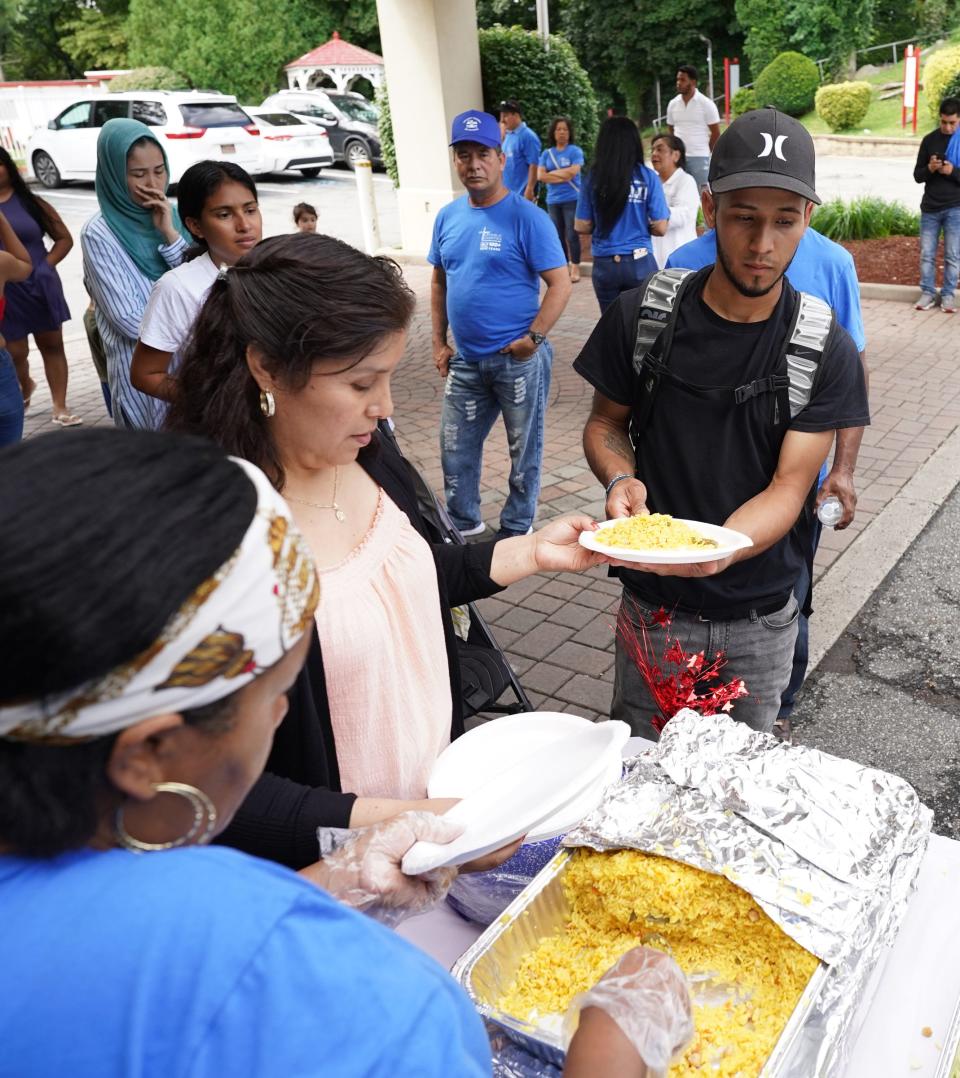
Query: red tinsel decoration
{"points": [[678, 679]]}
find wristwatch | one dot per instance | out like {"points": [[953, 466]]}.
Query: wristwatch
{"points": [[537, 338]]}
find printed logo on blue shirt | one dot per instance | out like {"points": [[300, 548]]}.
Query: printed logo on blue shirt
{"points": [[490, 241], [638, 191]]}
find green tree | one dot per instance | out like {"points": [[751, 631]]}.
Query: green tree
{"points": [[764, 24], [35, 51], [830, 30], [630, 45], [241, 46], [96, 39]]}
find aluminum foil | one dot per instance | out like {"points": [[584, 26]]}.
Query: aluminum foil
{"points": [[829, 848]]}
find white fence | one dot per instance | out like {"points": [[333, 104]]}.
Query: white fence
{"points": [[28, 105]]}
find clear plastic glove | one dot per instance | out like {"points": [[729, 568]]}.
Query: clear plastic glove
{"points": [[361, 867], [646, 994]]}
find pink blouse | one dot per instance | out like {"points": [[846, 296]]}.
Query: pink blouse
{"points": [[385, 660]]}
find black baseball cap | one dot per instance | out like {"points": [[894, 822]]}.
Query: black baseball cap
{"points": [[765, 148], [511, 106]]}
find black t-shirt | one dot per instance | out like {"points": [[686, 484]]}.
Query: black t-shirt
{"points": [[940, 192], [702, 458]]}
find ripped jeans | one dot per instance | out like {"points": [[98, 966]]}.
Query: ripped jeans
{"points": [[477, 391]]}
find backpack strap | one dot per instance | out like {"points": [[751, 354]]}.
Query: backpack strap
{"points": [[813, 321]]}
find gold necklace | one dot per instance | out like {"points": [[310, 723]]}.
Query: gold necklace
{"points": [[337, 511]]}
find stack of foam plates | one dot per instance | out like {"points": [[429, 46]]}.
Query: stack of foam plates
{"points": [[535, 775]]}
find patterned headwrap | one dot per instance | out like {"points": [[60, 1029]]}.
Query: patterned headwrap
{"points": [[235, 625]]}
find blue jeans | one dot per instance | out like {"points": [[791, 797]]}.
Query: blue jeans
{"points": [[477, 391], [699, 167], [610, 277], [562, 214], [11, 402], [931, 225]]}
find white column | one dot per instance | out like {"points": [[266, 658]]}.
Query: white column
{"points": [[432, 66]]}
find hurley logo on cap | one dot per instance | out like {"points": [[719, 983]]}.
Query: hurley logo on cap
{"points": [[772, 145]]}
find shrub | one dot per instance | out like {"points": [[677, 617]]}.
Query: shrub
{"points": [[789, 83], [864, 219], [149, 78], [940, 73], [388, 150], [744, 100], [514, 64], [843, 105]]}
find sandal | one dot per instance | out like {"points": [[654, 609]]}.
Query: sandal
{"points": [[29, 397], [64, 419]]}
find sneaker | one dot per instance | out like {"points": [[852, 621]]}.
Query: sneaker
{"points": [[925, 303], [507, 533], [947, 305], [479, 529]]}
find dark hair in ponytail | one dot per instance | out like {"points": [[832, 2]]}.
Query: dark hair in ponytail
{"points": [[198, 183], [301, 299], [142, 520]]}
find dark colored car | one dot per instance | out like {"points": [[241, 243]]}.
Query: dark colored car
{"points": [[349, 119]]}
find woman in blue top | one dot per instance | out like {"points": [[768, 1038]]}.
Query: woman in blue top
{"points": [[560, 166], [130, 732], [621, 203]]}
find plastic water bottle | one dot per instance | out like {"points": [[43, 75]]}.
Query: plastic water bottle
{"points": [[830, 511]]}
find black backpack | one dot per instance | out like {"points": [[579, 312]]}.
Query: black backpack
{"points": [[811, 324]]}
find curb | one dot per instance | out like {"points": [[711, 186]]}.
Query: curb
{"points": [[846, 586], [896, 293]]}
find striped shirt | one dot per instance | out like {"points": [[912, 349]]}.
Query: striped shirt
{"points": [[120, 292]]}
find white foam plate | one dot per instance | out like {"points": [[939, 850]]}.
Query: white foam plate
{"points": [[511, 802], [728, 540], [473, 758]]}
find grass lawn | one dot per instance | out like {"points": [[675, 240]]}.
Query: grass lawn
{"points": [[883, 117]]}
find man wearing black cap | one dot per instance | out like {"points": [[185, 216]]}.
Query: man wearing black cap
{"points": [[731, 419]]}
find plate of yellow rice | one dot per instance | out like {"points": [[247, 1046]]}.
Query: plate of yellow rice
{"points": [[658, 538]]}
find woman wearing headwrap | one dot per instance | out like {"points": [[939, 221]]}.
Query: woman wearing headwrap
{"points": [[129, 734], [135, 238]]}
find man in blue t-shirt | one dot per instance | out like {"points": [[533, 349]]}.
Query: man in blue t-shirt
{"points": [[826, 270], [490, 250], [521, 150]]}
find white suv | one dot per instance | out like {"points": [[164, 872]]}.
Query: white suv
{"points": [[191, 125]]}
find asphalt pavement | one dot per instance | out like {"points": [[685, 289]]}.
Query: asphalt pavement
{"points": [[888, 692]]}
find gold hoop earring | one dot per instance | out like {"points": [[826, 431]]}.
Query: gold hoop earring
{"points": [[267, 404], [201, 830]]}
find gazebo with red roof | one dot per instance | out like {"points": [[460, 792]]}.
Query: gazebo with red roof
{"points": [[337, 60]]}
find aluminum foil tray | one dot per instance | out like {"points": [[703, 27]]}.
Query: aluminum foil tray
{"points": [[541, 910]]}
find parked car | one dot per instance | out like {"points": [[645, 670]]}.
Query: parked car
{"points": [[192, 125], [286, 141], [349, 119]]}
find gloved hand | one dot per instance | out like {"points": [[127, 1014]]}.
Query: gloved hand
{"points": [[646, 994], [361, 867]]}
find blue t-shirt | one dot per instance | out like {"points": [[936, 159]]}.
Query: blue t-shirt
{"points": [[551, 159], [646, 202], [207, 963], [820, 266], [492, 257], [521, 148]]}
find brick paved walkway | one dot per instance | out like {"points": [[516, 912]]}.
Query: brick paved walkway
{"points": [[558, 629]]}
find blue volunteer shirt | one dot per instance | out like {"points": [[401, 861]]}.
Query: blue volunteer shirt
{"points": [[820, 266], [492, 257], [521, 148], [552, 159], [646, 202]]}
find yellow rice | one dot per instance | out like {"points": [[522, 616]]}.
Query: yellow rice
{"points": [[657, 531], [622, 899]]}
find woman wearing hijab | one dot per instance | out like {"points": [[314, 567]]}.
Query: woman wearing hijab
{"points": [[135, 238], [129, 734]]}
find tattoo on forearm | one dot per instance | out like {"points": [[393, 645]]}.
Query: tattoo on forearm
{"points": [[618, 442]]}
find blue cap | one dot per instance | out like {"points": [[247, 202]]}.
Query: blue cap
{"points": [[475, 126]]}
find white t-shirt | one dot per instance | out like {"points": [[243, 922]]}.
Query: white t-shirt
{"points": [[684, 201], [690, 121], [174, 304]]}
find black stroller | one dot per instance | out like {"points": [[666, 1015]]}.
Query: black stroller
{"points": [[485, 672]]}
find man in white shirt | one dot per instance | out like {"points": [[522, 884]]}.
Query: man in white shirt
{"points": [[693, 117]]}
